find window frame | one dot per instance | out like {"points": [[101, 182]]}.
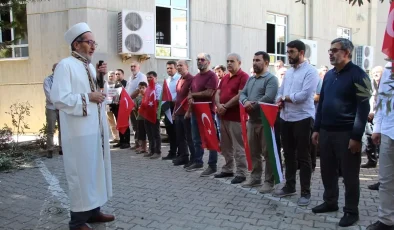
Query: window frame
{"points": [[286, 35], [187, 47], [343, 29], [13, 46]]}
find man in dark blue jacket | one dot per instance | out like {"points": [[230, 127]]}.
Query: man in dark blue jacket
{"points": [[340, 122]]}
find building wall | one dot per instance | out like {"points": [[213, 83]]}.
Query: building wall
{"points": [[216, 27], [383, 12]]}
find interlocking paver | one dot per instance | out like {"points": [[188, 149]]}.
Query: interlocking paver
{"points": [[153, 194]]}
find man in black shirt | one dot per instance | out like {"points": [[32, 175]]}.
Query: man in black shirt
{"points": [[340, 122], [124, 142]]}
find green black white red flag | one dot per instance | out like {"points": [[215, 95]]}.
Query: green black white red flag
{"points": [[268, 117]]}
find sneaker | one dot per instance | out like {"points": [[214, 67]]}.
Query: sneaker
{"points": [[252, 183], [379, 226], [323, 208], [266, 188], [348, 219], [208, 172], [148, 154], [224, 174], [374, 186], [284, 192], [304, 200], [188, 164], [238, 180], [155, 156], [194, 167], [114, 142], [368, 165]]}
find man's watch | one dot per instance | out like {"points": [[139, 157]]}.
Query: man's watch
{"points": [[283, 98]]}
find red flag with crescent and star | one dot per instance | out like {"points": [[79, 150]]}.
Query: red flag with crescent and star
{"points": [[148, 108], [126, 105], [206, 126], [388, 42]]}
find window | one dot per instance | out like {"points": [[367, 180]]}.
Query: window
{"points": [[13, 40], [172, 23], [343, 32], [276, 37]]}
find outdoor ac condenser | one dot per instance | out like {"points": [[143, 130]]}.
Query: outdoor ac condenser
{"points": [[136, 32]]}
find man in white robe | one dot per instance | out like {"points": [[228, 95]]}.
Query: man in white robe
{"points": [[87, 160]]}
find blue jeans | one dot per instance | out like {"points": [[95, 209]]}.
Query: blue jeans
{"points": [[213, 155]]}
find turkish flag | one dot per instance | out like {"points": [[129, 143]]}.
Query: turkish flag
{"points": [[148, 108], [126, 105], [244, 118], [388, 42], [206, 126], [166, 94]]}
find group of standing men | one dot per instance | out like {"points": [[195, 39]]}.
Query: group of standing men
{"points": [[337, 127]]}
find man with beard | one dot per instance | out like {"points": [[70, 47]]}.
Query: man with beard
{"points": [[202, 89], [227, 103], [172, 81], [87, 159], [262, 87], [295, 98], [340, 123]]}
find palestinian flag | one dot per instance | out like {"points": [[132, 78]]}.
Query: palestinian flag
{"points": [[268, 117]]}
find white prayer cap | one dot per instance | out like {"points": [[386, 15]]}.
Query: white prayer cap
{"points": [[75, 31]]}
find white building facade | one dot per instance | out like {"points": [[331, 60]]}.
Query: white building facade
{"points": [[181, 29]]}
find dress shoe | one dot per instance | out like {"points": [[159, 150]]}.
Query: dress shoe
{"points": [[125, 146], [101, 218], [83, 227], [325, 208], [379, 226], [148, 154], [369, 165], [180, 161], [117, 145], [238, 180], [224, 175], [348, 219], [169, 157], [188, 164], [50, 154], [374, 186]]}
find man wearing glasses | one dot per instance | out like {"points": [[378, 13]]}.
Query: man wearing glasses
{"points": [[340, 122], [295, 97], [87, 160], [202, 89]]}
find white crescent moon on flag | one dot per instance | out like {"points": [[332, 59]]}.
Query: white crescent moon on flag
{"points": [[204, 115], [390, 22], [127, 103], [153, 92]]}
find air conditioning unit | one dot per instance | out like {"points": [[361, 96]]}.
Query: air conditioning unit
{"points": [[136, 32], [364, 57], [310, 51]]}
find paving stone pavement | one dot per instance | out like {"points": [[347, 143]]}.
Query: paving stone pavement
{"points": [[154, 194]]}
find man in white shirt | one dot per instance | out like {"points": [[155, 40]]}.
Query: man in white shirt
{"points": [[172, 81], [295, 97], [383, 134], [133, 91]]}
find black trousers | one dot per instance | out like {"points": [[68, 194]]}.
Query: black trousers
{"points": [[334, 148], [80, 218], [170, 129], [277, 138], [296, 146], [371, 149], [123, 138], [313, 148], [184, 137], [153, 132]]}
